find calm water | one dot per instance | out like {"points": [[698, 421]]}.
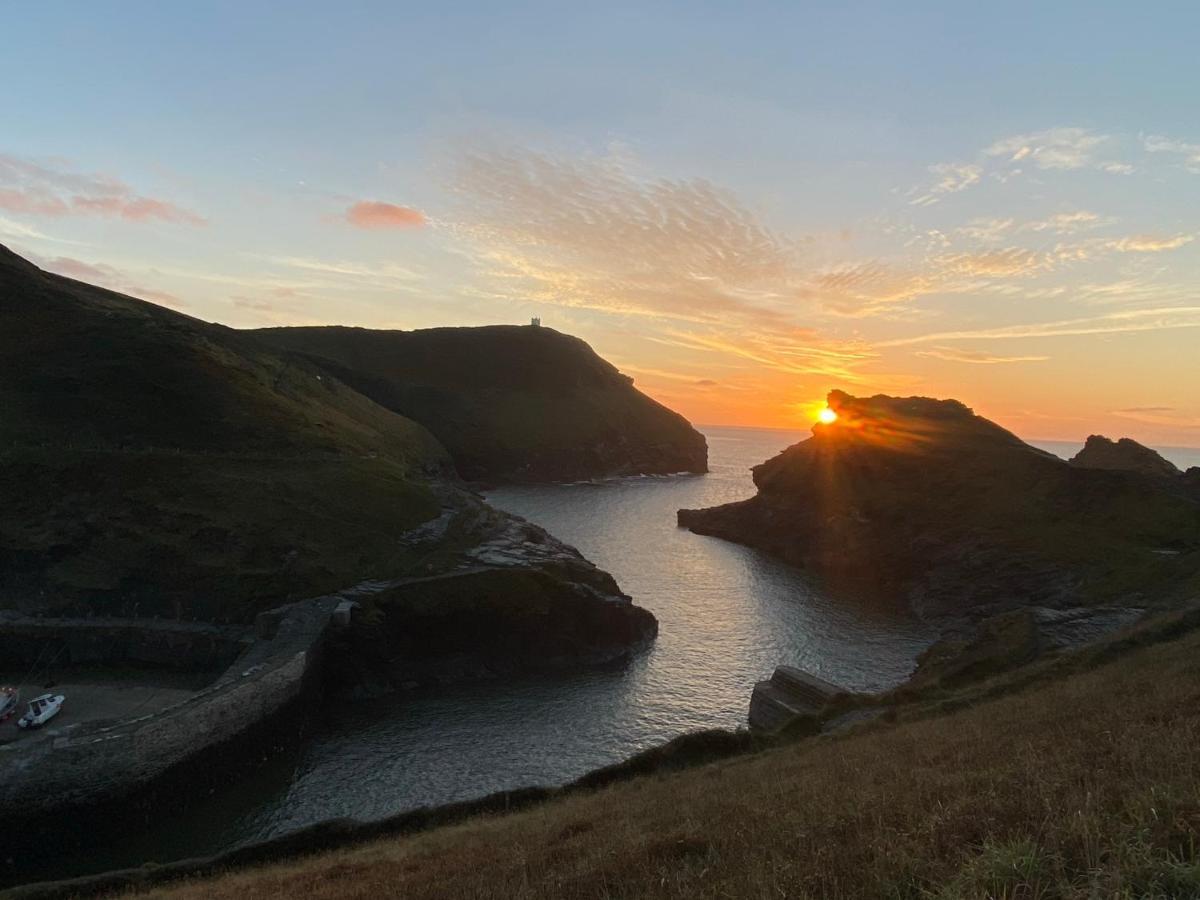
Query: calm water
{"points": [[728, 615]]}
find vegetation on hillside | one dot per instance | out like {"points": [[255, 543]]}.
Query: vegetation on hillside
{"points": [[509, 403], [1076, 777], [154, 464]]}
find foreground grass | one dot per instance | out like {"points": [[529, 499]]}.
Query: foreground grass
{"points": [[1085, 786]]}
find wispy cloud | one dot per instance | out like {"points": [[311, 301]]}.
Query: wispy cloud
{"points": [[1057, 148], [951, 178], [383, 275], [1061, 149], [978, 357], [1189, 153], [592, 233], [992, 230], [375, 214], [40, 189], [1149, 243], [1159, 415], [1131, 320]]}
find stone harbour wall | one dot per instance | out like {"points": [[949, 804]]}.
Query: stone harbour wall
{"points": [[99, 768]]}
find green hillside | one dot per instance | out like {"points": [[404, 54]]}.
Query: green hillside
{"points": [[151, 463], [510, 403]]}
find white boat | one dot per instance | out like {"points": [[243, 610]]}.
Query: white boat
{"points": [[9, 698], [41, 710]]}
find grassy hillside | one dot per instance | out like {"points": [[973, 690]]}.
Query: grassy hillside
{"points": [[156, 464], [1076, 778], [921, 498], [510, 403]]}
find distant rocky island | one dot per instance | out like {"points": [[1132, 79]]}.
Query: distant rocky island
{"points": [[1124, 455], [922, 502]]}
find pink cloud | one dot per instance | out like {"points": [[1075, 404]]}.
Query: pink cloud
{"points": [[376, 214], [28, 187]]}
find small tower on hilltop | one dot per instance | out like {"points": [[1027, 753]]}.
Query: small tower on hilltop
{"points": [[535, 322]]}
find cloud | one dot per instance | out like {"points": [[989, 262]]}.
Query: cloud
{"points": [[36, 189], [1190, 153], [1070, 223], [1123, 321], [591, 233], [367, 271], [1148, 243], [1060, 149], [1055, 148], [799, 353], [375, 214], [975, 356], [105, 276], [988, 231], [1159, 415], [951, 178], [12, 229], [870, 288]]}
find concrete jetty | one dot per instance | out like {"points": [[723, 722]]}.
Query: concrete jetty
{"points": [[787, 695]]}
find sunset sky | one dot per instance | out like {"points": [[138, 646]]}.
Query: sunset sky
{"points": [[741, 205]]}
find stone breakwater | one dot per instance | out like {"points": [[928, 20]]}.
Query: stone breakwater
{"points": [[56, 785]]}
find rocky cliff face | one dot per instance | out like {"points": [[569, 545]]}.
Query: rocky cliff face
{"points": [[510, 403], [1124, 455], [155, 465], [924, 502]]}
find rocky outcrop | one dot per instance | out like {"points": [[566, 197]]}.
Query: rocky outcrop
{"points": [[923, 503], [1124, 455], [789, 695], [510, 403], [512, 598]]}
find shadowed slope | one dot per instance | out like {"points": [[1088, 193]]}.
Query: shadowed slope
{"points": [[510, 403], [922, 500], [156, 463]]}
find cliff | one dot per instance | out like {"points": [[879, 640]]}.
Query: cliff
{"points": [[155, 465], [926, 503], [510, 403]]}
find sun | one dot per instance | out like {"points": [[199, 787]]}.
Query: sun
{"points": [[827, 416]]}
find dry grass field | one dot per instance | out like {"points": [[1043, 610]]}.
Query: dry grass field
{"points": [[1082, 781]]}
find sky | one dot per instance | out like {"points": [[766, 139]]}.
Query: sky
{"points": [[742, 205]]}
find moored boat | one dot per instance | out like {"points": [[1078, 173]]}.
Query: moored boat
{"points": [[9, 698], [41, 710]]}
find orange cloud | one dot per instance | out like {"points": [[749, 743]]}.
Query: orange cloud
{"points": [[377, 214]]}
